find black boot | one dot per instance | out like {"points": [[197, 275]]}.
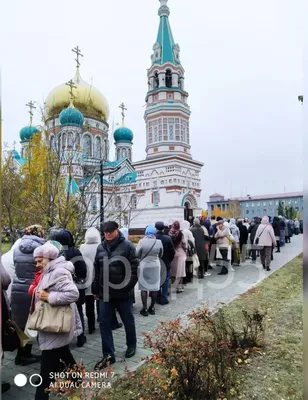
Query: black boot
{"points": [[81, 340], [5, 386], [24, 356]]}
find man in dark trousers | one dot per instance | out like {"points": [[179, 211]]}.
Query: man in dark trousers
{"points": [[116, 265], [168, 256]]}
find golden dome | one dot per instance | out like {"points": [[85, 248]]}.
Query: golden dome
{"points": [[86, 98]]}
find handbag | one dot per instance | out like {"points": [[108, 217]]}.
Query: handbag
{"points": [[51, 319], [12, 336], [257, 239], [32, 334], [196, 262]]}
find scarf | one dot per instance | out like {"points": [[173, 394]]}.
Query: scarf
{"points": [[175, 233]]}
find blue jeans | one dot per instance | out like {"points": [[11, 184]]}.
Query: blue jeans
{"points": [[106, 312], [165, 287]]}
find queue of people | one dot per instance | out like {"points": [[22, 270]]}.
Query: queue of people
{"points": [[102, 275]]}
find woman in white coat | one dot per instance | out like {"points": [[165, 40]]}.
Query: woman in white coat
{"points": [[190, 240]]}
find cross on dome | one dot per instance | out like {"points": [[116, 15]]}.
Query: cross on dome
{"points": [[123, 108], [78, 53], [31, 107], [72, 86]]}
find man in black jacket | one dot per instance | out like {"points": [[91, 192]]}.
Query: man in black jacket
{"points": [[116, 265], [169, 253]]}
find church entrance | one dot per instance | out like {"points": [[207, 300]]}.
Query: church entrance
{"points": [[188, 212]]}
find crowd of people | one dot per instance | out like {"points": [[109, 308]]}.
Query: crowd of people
{"points": [[48, 269]]}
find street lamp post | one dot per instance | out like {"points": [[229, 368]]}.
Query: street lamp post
{"points": [[102, 216]]}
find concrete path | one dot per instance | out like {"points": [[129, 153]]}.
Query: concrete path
{"points": [[212, 291]]}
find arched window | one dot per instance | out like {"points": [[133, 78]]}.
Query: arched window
{"points": [[93, 204], [77, 140], [53, 143], [118, 154], [130, 154], [87, 145], [168, 78], [124, 153], [156, 80], [133, 202], [97, 147], [64, 141], [70, 140], [118, 203]]}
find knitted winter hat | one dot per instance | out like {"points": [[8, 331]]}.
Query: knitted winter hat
{"points": [[48, 251]]}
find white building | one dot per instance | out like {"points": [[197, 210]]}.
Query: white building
{"points": [[165, 185]]}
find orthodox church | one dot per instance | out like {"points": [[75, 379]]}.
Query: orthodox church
{"points": [[166, 185]]}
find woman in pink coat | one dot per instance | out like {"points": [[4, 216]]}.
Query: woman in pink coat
{"points": [[265, 238]]}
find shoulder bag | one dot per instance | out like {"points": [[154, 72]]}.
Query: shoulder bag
{"points": [[149, 251], [257, 239], [51, 319]]}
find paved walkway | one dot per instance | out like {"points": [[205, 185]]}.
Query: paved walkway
{"points": [[213, 291]]}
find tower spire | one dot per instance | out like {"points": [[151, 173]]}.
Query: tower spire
{"points": [[165, 48]]}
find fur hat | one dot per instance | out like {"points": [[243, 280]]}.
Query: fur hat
{"points": [[48, 251]]}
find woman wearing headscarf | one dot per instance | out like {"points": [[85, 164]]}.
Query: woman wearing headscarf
{"points": [[57, 273], [178, 264], [266, 240], [24, 276], [149, 251], [223, 246], [189, 238], [235, 232]]}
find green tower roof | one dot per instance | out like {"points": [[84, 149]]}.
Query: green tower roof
{"points": [[165, 37]]}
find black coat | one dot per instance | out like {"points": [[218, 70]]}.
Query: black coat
{"points": [[253, 230], [70, 252], [200, 241], [276, 227], [114, 271], [169, 251], [243, 234]]}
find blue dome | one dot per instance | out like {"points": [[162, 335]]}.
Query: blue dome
{"points": [[16, 155], [26, 133], [123, 134], [71, 116]]}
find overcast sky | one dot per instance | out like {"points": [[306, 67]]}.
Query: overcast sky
{"points": [[244, 71]]}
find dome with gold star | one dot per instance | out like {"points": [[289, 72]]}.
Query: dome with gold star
{"points": [[87, 99]]}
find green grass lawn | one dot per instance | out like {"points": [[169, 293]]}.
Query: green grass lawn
{"points": [[276, 372], [5, 247]]}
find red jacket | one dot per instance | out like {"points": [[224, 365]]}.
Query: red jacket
{"points": [[35, 283]]}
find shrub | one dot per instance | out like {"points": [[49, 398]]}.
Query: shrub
{"points": [[195, 362]]}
